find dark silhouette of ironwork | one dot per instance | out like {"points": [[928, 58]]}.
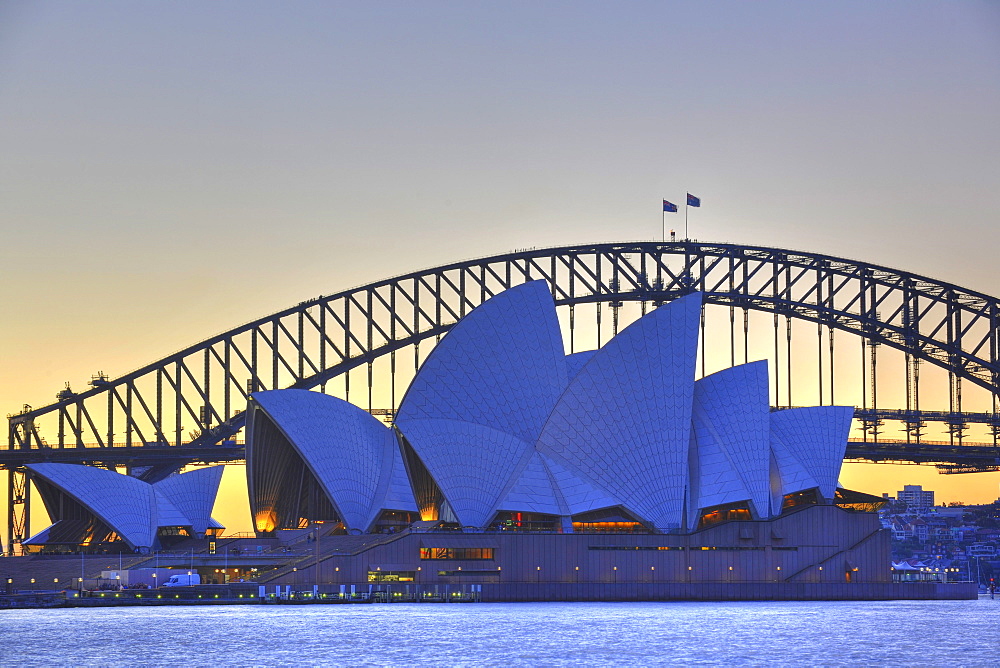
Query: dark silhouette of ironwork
{"points": [[188, 407]]}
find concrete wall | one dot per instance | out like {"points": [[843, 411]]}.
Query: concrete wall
{"points": [[817, 545], [746, 591]]}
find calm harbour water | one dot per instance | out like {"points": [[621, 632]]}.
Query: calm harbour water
{"points": [[899, 633]]}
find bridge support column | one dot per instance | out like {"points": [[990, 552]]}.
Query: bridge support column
{"points": [[18, 509]]}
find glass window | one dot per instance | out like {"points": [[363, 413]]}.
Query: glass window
{"points": [[634, 547], [727, 513], [391, 576], [457, 553]]}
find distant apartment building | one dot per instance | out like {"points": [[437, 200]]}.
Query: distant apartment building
{"points": [[920, 530], [915, 497], [981, 550]]}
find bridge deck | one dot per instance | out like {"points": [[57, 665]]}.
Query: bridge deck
{"points": [[950, 457]]}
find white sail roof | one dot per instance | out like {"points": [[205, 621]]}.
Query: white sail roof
{"points": [[353, 456], [624, 421], [502, 366], [731, 418], [816, 436], [135, 509], [125, 504], [473, 464], [535, 491], [577, 361], [578, 494], [788, 475], [192, 494]]}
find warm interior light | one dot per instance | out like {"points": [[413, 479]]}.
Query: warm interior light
{"points": [[266, 520], [600, 527], [724, 514]]}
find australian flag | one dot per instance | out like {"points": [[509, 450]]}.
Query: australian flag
{"points": [[693, 201], [670, 208]]}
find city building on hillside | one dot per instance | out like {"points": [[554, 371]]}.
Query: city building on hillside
{"points": [[915, 496]]}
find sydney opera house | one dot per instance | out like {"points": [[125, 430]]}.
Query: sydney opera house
{"points": [[510, 461], [501, 429], [514, 466]]}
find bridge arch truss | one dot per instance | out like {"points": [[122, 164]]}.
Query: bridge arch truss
{"points": [[308, 345], [188, 406]]}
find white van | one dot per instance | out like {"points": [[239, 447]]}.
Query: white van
{"points": [[183, 580]]}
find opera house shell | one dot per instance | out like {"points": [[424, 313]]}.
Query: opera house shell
{"points": [[96, 509], [501, 430]]}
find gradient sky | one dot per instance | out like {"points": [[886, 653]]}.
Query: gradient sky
{"points": [[169, 170]]}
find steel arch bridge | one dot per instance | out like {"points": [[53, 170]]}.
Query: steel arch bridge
{"points": [[188, 407]]}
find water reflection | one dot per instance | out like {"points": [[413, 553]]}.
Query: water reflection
{"points": [[824, 633]]}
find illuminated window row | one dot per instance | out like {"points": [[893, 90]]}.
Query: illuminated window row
{"points": [[391, 576], [457, 553], [733, 548], [629, 548], [738, 548]]}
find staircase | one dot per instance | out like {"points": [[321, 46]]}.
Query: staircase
{"points": [[331, 546], [791, 578]]}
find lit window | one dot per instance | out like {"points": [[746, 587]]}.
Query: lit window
{"points": [[457, 553]]}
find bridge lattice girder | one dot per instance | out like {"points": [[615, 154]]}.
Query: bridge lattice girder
{"points": [[317, 340]]}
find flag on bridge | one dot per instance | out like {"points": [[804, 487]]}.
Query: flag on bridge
{"points": [[668, 207], [693, 201]]}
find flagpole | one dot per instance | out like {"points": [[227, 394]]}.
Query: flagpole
{"points": [[663, 225], [686, 238]]}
